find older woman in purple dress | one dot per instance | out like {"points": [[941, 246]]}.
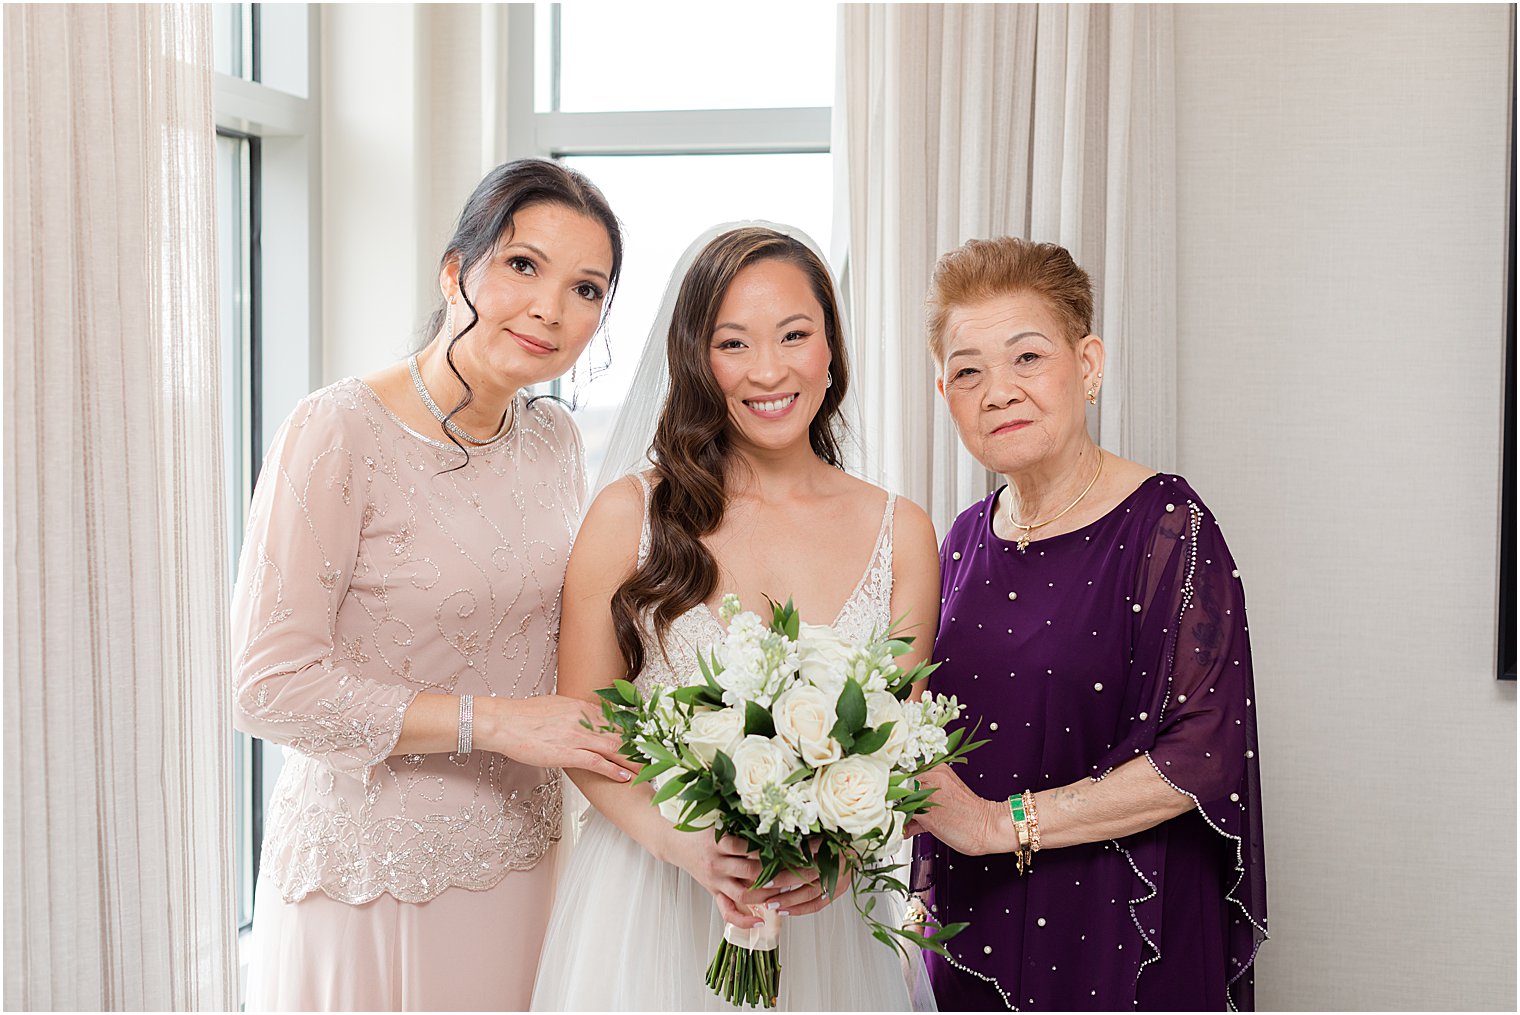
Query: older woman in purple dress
{"points": [[1105, 845]]}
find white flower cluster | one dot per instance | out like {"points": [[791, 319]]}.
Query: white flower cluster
{"points": [[925, 721], [789, 809], [757, 662]]}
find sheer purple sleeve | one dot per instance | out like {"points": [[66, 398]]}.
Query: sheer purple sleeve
{"points": [[1193, 697]]}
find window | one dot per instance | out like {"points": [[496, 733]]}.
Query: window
{"points": [[235, 155], [267, 236], [723, 115]]}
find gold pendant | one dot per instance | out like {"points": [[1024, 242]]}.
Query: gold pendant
{"points": [[1023, 543]]}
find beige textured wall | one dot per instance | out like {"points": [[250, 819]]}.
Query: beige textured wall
{"points": [[1342, 198]]}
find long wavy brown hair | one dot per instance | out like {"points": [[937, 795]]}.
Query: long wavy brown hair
{"points": [[692, 442]]}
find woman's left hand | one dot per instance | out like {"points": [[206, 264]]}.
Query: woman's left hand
{"points": [[960, 819]]}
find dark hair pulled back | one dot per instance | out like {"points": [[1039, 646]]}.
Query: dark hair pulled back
{"points": [[487, 220], [692, 444]]}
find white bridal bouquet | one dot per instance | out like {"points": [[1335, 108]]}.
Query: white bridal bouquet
{"points": [[805, 744]]}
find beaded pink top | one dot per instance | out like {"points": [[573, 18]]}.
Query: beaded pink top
{"points": [[370, 573]]}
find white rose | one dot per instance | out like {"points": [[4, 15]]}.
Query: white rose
{"points": [[804, 715], [852, 794], [714, 731], [824, 657], [760, 762], [673, 807], [882, 708]]}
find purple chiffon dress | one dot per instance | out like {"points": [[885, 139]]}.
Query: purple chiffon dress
{"points": [[1124, 639]]}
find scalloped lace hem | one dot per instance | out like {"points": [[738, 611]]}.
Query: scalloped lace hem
{"points": [[410, 894]]}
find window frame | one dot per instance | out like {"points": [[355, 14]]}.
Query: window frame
{"points": [[779, 130], [285, 361]]}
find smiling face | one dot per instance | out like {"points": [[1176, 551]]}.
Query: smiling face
{"points": [[1014, 383], [539, 296], [769, 352]]}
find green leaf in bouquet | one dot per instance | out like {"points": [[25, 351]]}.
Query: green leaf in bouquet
{"points": [[851, 707], [658, 752], [723, 772], [670, 789], [827, 862], [869, 741], [955, 737], [797, 776], [771, 868], [708, 669], [841, 732], [700, 787], [625, 721], [650, 771], [627, 692], [923, 670], [689, 757], [697, 808], [757, 720], [610, 694], [900, 646], [793, 625], [692, 695]]}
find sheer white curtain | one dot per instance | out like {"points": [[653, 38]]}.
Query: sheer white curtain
{"points": [[1053, 122], [118, 788]]}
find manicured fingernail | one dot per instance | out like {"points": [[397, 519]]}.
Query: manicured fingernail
{"points": [[769, 884], [784, 913]]}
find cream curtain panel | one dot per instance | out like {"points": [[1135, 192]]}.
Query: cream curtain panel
{"points": [[1049, 121], [118, 752]]}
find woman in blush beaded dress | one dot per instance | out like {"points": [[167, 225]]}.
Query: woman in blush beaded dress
{"points": [[1105, 844], [395, 627], [746, 496]]}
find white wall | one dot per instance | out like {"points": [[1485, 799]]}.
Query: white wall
{"points": [[1342, 200]]}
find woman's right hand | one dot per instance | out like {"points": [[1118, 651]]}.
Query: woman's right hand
{"points": [[727, 869], [549, 732]]}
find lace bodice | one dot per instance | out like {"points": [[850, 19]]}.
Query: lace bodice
{"points": [[868, 609], [373, 570]]}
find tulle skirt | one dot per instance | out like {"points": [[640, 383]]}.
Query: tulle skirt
{"points": [[632, 932]]}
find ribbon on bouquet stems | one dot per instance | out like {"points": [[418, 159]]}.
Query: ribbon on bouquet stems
{"points": [[763, 937], [746, 969]]}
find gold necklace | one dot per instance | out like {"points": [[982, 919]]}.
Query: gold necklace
{"points": [[1023, 542]]}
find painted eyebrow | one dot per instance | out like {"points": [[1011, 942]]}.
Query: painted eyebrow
{"points": [[1016, 338], [780, 324], [546, 259]]}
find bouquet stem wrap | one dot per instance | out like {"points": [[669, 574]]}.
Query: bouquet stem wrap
{"points": [[761, 938], [746, 969]]}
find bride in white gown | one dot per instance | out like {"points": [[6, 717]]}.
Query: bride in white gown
{"points": [[747, 495]]}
